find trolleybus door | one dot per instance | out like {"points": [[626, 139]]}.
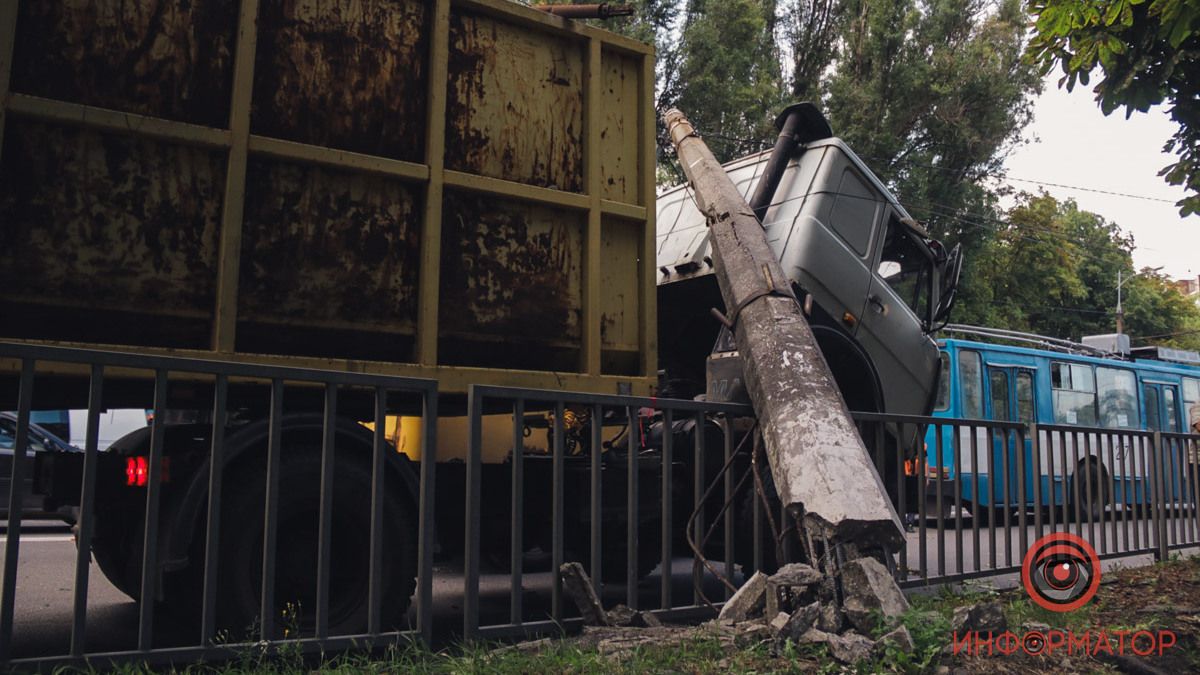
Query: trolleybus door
{"points": [[1163, 414], [1011, 399]]}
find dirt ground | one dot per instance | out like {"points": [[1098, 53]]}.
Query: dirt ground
{"points": [[1164, 597]]}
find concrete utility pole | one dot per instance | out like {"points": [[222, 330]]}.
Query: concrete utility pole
{"points": [[822, 471]]}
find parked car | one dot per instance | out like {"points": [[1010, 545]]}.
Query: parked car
{"points": [[40, 440]]}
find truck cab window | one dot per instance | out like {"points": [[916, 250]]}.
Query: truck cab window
{"points": [[905, 266]]}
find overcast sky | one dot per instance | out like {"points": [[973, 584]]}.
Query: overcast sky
{"points": [[1073, 143]]}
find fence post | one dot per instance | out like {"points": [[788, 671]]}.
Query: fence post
{"points": [[1160, 523]]}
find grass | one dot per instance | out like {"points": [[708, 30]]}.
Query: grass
{"points": [[928, 621]]}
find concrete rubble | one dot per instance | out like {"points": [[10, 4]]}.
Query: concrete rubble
{"points": [[748, 601], [870, 592], [797, 604], [983, 617]]}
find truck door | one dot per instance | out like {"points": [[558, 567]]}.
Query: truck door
{"points": [[893, 322]]}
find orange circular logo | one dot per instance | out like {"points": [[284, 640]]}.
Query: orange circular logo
{"points": [[1061, 572]]}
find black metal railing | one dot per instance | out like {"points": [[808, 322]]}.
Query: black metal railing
{"points": [[626, 470], [985, 490], [624, 485], [52, 376]]}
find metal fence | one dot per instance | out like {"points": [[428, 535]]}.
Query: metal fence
{"points": [[600, 467], [46, 377], [667, 504], [984, 490]]}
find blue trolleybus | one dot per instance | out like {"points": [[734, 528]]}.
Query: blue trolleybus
{"points": [[1091, 415]]}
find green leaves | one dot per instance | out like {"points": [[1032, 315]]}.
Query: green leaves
{"points": [[1147, 51]]}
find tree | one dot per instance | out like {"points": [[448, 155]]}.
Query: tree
{"points": [[932, 94], [1147, 51], [729, 80], [1052, 270]]}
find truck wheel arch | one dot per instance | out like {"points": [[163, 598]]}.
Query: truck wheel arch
{"points": [[852, 368]]}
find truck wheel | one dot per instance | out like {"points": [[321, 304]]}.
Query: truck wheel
{"points": [[240, 567], [1092, 506]]}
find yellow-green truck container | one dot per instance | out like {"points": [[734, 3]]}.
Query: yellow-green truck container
{"points": [[456, 189]]}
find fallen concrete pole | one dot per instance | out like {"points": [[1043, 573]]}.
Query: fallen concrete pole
{"points": [[822, 471]]}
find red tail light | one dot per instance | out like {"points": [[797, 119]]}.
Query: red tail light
{"points": [[137, 471]]}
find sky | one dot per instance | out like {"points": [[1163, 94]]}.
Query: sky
{"points": [[1073, 143]]}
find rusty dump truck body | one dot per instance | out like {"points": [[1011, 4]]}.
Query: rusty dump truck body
{"points": [[435, 188]]}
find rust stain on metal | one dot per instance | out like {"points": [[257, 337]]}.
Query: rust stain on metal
{"points": [[326, 247], [619, 301], [510, 270], [166, 59], [97, 220], [619, 132], [347, 74], [534, 137]]}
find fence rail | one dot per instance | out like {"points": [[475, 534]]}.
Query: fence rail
{"points": [[667, 504]]}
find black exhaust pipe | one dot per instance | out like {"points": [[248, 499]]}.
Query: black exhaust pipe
{"points": [[798, 123]]}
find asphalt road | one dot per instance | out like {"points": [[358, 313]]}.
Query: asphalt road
{"points": [[45, 582]]}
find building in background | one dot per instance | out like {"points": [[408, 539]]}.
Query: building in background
{"points": [[1189, 288]]}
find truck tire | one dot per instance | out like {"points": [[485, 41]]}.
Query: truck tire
{"points": [[241, 544]]}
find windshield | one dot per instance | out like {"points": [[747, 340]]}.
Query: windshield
{"points": [[906, 267]]}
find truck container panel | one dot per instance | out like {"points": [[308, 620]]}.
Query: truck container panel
{"points": [[458, 189]]}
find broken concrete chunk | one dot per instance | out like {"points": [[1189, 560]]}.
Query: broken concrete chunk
{"points": [[800, 621], [814, 636], [748, 602], [1035, 627], [899, 638], [647, 620], [796, 574], [621, 615], [791, 587], [748, 633], [781, 619], [851, 647], [618, 644], [624, 616], [984, 617], [578, 587], [827, 590], [869, 589], [831, 619]]}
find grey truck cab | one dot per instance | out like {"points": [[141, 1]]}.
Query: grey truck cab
{"points": [[875, 285]]}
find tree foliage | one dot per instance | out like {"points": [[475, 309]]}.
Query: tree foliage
{"points": [[1052, 270], [932, 94], [1147, 52], [729, 77]]}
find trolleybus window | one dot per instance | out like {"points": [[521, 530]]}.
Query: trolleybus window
{"points": [[970, 376], [1171, 423], [998, 379], [1191, 392], [1073, 393], [943, 389], [1118, 398], [1025, 397]]}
